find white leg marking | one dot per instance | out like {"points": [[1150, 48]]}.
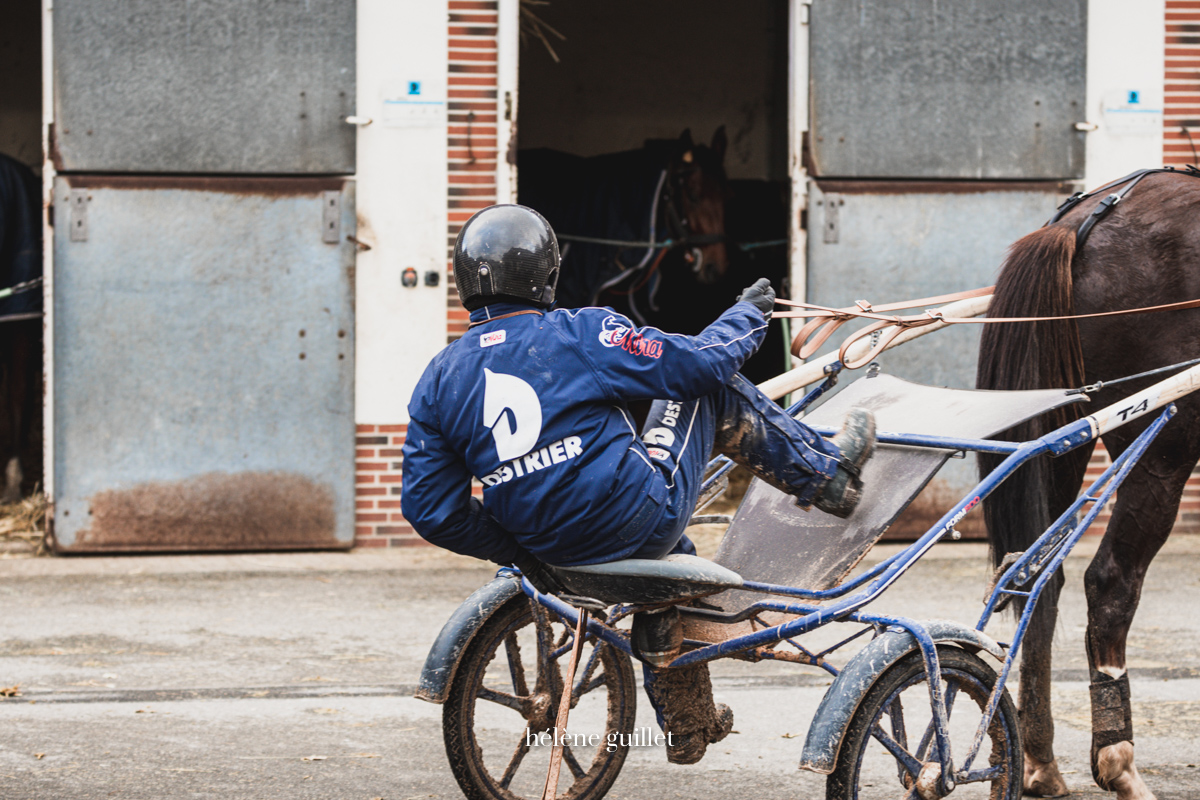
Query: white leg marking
{"points": [[1119, 774], [1112, 672]]}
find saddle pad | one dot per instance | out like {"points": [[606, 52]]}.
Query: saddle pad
{"points": [[772, 541]]}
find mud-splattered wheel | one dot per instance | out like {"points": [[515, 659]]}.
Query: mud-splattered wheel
{"points": [[506, 692], [890, 737]]}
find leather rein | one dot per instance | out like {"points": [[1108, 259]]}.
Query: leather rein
{"points": [[824, 321]]}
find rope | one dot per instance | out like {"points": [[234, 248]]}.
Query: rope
{"points": [[1098, 385], [27, 286], [667, 244]]}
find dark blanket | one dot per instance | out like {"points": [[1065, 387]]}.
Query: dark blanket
{"points": [[607, 196], [20, 235]]}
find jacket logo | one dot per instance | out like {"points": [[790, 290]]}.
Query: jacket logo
{"points": [[489, 339], [615, 333], [663, 436], [513, 412]]}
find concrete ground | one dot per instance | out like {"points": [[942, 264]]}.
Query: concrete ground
{"points": [[291, 676]]}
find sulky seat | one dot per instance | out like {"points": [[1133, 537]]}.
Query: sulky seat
{"points": [[647, 581]]}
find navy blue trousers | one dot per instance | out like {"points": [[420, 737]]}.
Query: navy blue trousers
{"points": [[742, 423]]}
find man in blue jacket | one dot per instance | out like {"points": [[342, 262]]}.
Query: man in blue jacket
{"points": [[533, 403]]}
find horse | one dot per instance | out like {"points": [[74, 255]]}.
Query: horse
{"points": [[20, 321], [606, 209], [1145, 252], [670, 189]]}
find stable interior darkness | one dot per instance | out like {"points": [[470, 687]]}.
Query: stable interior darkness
{"points": [[632, 70]]}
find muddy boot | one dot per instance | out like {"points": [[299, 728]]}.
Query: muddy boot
{"points": [[856, 443], [683, 698]]}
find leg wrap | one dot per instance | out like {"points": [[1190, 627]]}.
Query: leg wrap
{"points": [[1112, 719]]}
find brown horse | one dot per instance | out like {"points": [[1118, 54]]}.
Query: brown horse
{"points": [[1146, 252], [607, 208]]}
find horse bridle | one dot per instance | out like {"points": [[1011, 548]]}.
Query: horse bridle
{"points": [[678, 228]]}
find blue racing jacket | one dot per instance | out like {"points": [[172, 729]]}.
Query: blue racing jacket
{"points": [[533, 404]]}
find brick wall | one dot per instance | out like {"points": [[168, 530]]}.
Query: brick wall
{"points": [[473, 115], [378, 522], [1181, 85], [471, 154]]}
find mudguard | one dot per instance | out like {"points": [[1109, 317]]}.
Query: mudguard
{"points": [[457, 633], [848, 689]]}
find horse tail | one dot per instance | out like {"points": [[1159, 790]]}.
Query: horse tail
{"points": [[1035, 281]]}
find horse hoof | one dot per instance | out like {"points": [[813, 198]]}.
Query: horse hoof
{"points": [[1115, 771], [1042, 778]]}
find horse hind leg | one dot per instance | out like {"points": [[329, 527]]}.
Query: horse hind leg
{"points": [[1141, 522]]}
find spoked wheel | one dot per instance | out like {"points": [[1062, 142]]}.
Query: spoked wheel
{"points": [[506, 692], [890, 736]]}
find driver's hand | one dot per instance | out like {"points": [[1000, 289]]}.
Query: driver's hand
{"points": [[760, 295]]}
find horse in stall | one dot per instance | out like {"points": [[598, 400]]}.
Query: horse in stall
{"points": [[1098, 254], [645, 232], [20, 322]]}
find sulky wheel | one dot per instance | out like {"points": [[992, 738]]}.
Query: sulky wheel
{"points": [[891, 733], [506, 691]]}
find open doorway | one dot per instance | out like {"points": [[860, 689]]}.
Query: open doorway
{"points": [[20, 249], [601, 78]]}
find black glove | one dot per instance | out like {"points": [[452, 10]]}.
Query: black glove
{"points": [[538, 574], [761, 296]]}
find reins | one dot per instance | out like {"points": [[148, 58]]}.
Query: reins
{"points": [[824, 321]]}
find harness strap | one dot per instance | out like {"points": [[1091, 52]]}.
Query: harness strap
{"points": [[1106, 205], [826, 321], [899, 324]]}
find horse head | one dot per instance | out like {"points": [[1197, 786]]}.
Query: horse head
{"points": [[696, 207]]}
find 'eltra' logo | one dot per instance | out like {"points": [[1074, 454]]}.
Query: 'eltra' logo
{"points": [[513, 412]]}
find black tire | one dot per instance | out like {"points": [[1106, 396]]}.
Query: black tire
{"points": [[500, 765], [866, 769]]}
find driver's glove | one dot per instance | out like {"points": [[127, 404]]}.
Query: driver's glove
{"points": [[760, 295]]}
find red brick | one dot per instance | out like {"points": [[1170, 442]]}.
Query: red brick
{"points": [[389, 503], [364, 428], [370, 542], [364, 478], [371, 465], [391, 453], [364, 454], [485, 42], [393, 428], [394, 529], [371, 517], [365, 503], [364, 491], [389, 478]]}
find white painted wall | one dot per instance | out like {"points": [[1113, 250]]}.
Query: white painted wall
{"points": [[401, 200], [1125, 52]]}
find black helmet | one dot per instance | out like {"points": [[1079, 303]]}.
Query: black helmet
{"points": [[506, 252]]}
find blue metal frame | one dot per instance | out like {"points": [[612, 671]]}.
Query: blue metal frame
{"points": [[1039, 563]]}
